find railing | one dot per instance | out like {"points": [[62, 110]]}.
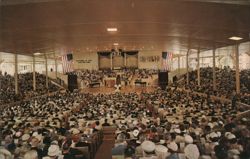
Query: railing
{"points": [[59, 82]]}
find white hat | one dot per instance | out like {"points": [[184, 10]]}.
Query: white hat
{"points": [[25, 137], [129, 121], [191, 151], [188, 139], [138, 141], [31, 154], [211, 125], [213, 135], [244, 119], [173, 146], [161, 149], [34, 142], [35, 133], [136, 133], [227, 133], [54, 142], [162, 141], [75, 131], [4, 152], [18, 134], [135, 122], [178, 131], [148, 146], [53, 150], [39, 137], [221, 122], [231, 136]]}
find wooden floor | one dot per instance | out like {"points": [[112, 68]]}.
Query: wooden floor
{"points": [[124, 89]]}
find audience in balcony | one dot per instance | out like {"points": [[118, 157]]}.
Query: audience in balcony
{"points": [[25, 86], [225, 83]]}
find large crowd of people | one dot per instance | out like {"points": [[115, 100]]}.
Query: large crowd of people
{"points": [[225, 83], [159, 124], [7, 89], [25, 85]]}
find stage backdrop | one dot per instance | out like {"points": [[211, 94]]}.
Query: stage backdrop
{"points": [[118, 61], [104, 59], [132, 59]]}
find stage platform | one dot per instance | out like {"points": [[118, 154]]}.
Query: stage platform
{"points": [[124, 89]]}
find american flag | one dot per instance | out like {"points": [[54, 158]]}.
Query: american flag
{"points": [[67, 64], [167, 60]]}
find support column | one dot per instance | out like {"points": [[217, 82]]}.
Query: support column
{"points": [[214, 75], [46, 71], [16, 74], [237, 74], [125, 59], [34, 73], [111, 61], [137, 59], [187, 67], [55, 65], [179, 65], [98, 61], [198, 67]]}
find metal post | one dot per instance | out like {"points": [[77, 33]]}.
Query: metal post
{"points": [[55, 65], [198, 67], [179, 69], [16, 74], [111, 60], [187, 67], [46, 71], [214, 75], [34, 73], [237, 74], [125, 59], [137, 59]]}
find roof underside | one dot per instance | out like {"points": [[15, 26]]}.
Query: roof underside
{"points": [[80, 25]]}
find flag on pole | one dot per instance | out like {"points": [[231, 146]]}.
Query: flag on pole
{"points": [[67, 63], [167, 61]]}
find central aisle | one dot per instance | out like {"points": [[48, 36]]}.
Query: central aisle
{"points": [[104, 151]]}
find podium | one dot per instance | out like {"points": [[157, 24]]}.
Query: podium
{"points": [[110, 82]]}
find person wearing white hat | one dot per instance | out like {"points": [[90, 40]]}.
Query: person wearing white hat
{"points": [[32, 154], [5, 154], [179, 138], [172, 148], [54, 151], [191, 151], [135, 133], [25, 137], [188, 139], [161, 151], [148, 148]]}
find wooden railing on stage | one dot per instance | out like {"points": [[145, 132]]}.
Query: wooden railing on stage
{"points": [[140, 83]]}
